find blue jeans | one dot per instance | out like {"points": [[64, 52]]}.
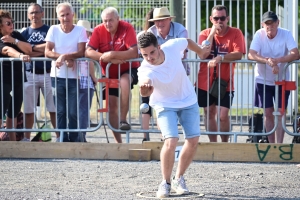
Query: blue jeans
{"points": [[60, 91], [84, 109]]}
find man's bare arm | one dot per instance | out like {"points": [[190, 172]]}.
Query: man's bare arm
{"points": [[131, 53], [92, 54]]}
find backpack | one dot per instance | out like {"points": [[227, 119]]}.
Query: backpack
{"points": [[4, 136], [258, 121], [296, 129]]}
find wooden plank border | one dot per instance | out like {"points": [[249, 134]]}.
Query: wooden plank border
{"points": [[217, 152]]}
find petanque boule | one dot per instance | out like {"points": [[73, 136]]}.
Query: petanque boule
{"points": [[144, 107], [205, 43]]}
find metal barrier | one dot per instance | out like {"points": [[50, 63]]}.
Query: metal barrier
{"points": [[242, 107], [98, 116]]}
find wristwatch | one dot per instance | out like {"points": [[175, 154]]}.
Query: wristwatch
{"points": [[222, 57], [16, 41]]}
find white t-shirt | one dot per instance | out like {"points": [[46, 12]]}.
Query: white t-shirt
{"points": [[279, 46], [172, 88], [65, 43]]}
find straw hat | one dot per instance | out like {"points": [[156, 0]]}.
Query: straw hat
{"points": [[86, 24], [160, 13]]}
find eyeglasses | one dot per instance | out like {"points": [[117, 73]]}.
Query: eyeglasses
{"points": [[9, 23], [220, 18], [36, 12]]}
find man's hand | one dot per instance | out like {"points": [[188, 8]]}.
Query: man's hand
{"points": [[60, 61], [275, 69], [70, 63], [105, 57], [146, 90], [213, 62], [272, 62], [216, 28]]}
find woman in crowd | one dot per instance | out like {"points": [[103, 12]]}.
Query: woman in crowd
{"points": [[12, 45]]}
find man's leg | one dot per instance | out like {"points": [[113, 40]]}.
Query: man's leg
{"points": [[269, 123], [210, 121], [113, 117], [167, 158], [224, 122], [72, 108], [48, 96], [125, 95], [186, 155], [59, 92]]}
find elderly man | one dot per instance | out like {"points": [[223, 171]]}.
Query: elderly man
{"points": [[37, 77], [114, 41], [64, 43], [228, 44], [272, 47]]}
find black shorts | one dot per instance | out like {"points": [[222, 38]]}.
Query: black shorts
{"points": [[225, 102], [115, 91]]}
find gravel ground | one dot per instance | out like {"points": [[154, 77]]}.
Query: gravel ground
{"points": [[86, 179], [28, 179]]}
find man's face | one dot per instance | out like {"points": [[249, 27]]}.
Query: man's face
{"points": [[35, 14], [163, 26], [65, 15], [110, 21], [271, 27], [151, 54], [219, 17]]}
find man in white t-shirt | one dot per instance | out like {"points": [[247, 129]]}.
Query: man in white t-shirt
{"points": [[64, 43], [172, 95], [272, 47]]}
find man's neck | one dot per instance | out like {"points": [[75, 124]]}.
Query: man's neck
{"points": [[36, 25], [67, 28]]}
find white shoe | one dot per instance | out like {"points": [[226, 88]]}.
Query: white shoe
{"points": [[164, 190], [25, 140], [179, 185], [57, 139]]}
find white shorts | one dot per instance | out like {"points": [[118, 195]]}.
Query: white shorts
{"points": [[32, 90]]}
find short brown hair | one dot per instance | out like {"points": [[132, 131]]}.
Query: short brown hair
{"points": [[4, 14], [219, 8]]}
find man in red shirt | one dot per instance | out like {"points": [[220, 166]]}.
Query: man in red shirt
{"points": [[114, 41], [229, 45]]}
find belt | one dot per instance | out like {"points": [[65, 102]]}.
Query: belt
{"points": [[39, 71]]}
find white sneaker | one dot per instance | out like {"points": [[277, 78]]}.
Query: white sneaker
{"points": [[179, 185], [25, 140], [164, 190], [57, 139]]}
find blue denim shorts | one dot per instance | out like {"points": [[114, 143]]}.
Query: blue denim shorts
{"points": [[188, 117]]}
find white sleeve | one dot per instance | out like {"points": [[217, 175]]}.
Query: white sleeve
{"points": [[291, 44], [49, 36], [256, 42], [82, 36]]}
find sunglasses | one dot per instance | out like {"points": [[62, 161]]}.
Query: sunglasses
{"points": [[220, 18], [9, 23]]}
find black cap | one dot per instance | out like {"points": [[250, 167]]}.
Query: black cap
{"points": [[270, 15]]}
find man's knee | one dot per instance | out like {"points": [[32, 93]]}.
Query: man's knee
{"points": [[171, 143]]}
